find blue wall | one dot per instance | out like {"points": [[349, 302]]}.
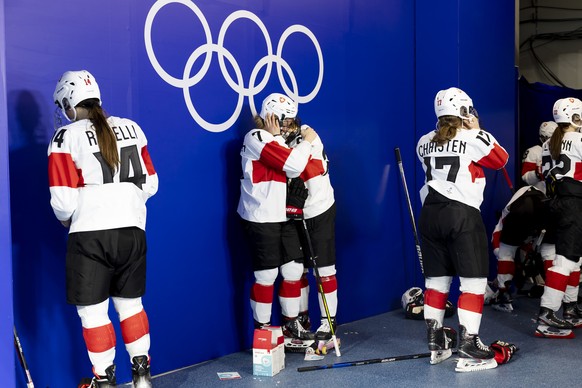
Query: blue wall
{"points": [[6, 313], [372, 92]]}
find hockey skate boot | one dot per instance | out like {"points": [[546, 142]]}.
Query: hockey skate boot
{"points": [[441, 341], [502, 301], [572, 313], [140, 372], [304, 320], [550, 326], [98, 381], [297, 339], [323, 336], [473, 354]]}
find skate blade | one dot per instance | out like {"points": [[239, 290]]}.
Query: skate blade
{"points": [[503, 307], [576, 322], [545, 331], [473, 365], [438, 356], [292, 345]]}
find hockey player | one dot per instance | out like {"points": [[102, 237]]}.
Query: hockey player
{"points": [[274, 240], [561, 165], [531, 172], [100, 176], [524, 218], [319, 213], [453, 236]]}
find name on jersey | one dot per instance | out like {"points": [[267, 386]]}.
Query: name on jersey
{"points": [[455, 146], [121, 133]]}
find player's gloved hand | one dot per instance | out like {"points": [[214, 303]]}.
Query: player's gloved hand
{"points": [[296, 196], [503, 351]]}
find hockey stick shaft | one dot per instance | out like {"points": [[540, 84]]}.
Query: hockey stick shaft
{"points": [[363, 362], [410, 212], [18, 346], [320, 287], [508, 180]]}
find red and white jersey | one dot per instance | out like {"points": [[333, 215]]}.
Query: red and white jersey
{"points": [[570, 163], [496, 238], [266, 163], [455, 169], [316, 178], [530, 165], [84, 190]]}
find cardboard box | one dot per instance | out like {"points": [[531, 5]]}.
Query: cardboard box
{"points": [[268, 351]]}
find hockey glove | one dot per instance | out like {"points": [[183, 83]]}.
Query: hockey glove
{"points": [[503, 351], [296, 196]]}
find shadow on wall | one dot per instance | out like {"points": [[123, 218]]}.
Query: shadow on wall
{"points": [[241, 262], [38, 241]]}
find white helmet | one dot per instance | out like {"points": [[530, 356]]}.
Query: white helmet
{"points": [[547, 130], [74, 87], [280, 105], [566, 109], [453, 102]]}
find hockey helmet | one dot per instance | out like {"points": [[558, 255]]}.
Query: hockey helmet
{"points": [[280, 105], [74, 87], [547, 129], [413, 303], [453, 102], [569, 111]]}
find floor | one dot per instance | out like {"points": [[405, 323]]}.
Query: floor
{"points": [[538, 363]]}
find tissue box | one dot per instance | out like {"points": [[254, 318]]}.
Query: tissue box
{"points": [[268, 351]]}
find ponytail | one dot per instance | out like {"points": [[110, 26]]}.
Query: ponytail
{"points": [[105, 137], [447, 128], [555, 144]]}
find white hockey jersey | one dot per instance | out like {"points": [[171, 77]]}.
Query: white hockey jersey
{"points": [[570, 163], [84, 190], [455, 169], [266, 163], [316, 178], [530, 164]]}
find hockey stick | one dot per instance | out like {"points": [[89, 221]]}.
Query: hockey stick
{"points": [[18, 346], [320, 287], [363, 362], [410, 212], [508, 180]]}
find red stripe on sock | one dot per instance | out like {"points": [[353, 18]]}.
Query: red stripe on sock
{"points": [[290, 289], [99, 339], [556, 280], [135, 327], [471, 302], [547, 265], [329, 284], [261, 293], [505, 267], [436, 299], [304, 281], [574, 279]]}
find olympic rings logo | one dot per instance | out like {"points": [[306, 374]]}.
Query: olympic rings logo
{"points": [[207, 49]]}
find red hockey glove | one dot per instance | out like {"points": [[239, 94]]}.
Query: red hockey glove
{"points": [[296, 196], [503, 351]]}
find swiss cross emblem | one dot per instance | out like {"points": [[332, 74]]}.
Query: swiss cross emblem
{"points": [[571, 100], [439, 102], [281, 99], [87, 81]]}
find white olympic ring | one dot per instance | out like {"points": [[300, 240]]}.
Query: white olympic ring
{"points": [[238, 86]]}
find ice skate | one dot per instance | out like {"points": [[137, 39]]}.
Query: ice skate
{"points": [[140, 372], [304, 320], [297, 339], [97, 381], [572, 313], [441, 341], [502, 301], [323, 336], [473, 354], [550, 326]]}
